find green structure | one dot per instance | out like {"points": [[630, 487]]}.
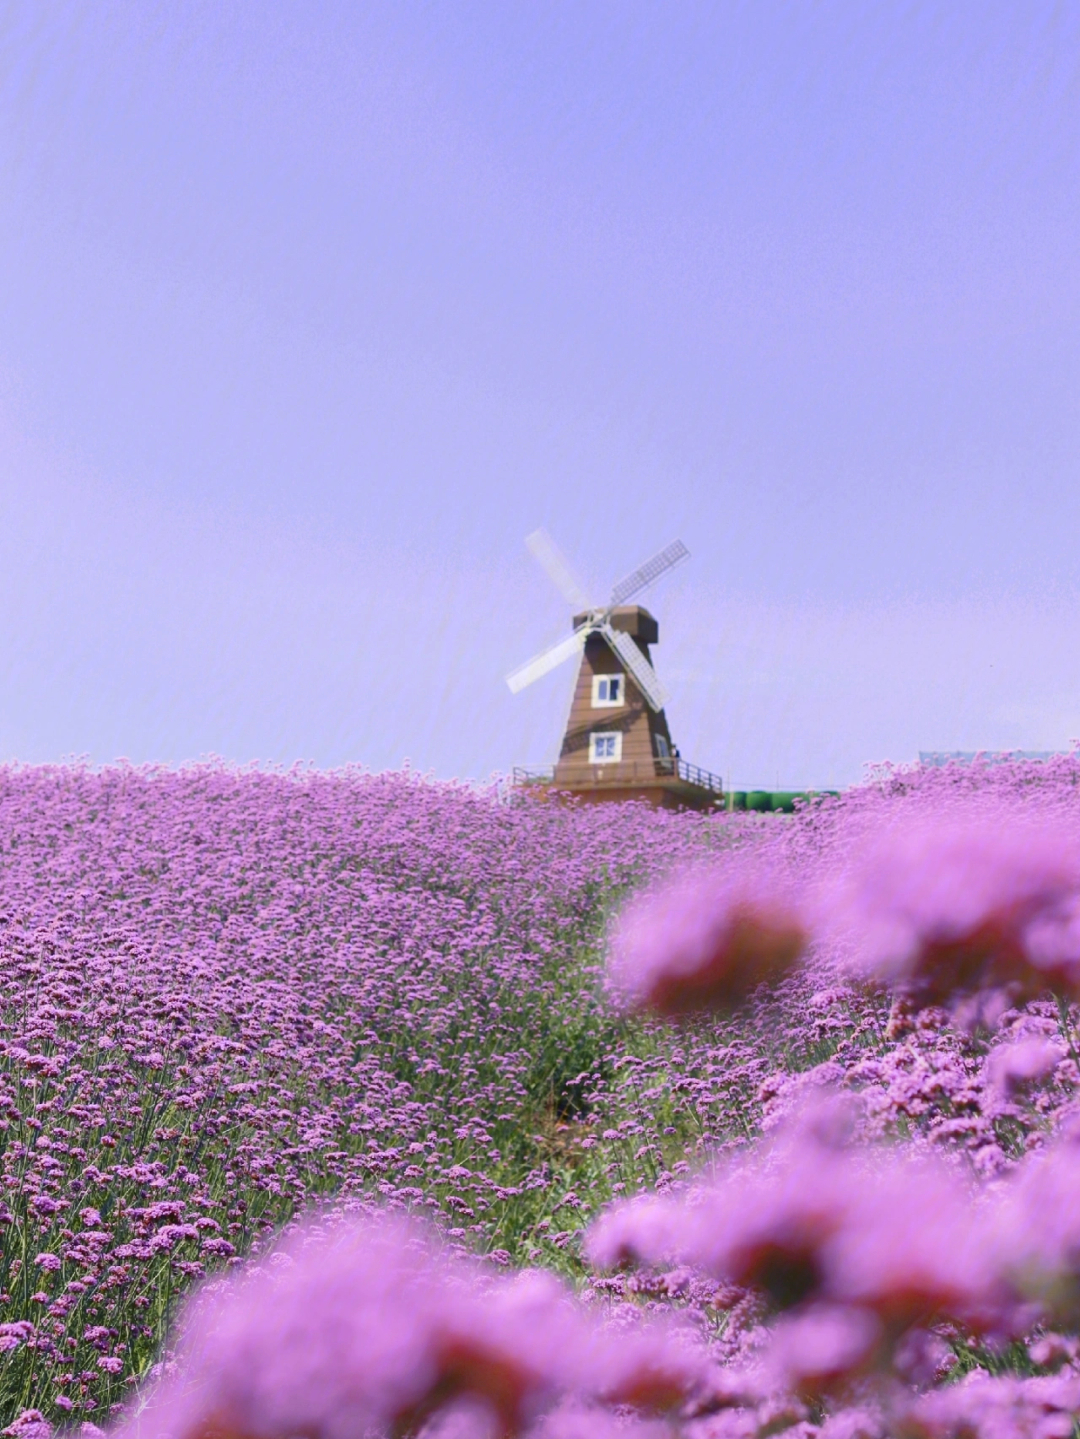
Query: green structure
{"points": [[775, 801]]}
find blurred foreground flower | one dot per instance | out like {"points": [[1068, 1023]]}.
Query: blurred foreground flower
{"points": [[371, 1329], [1012, 1068], [891, 1234], [823, 1348], [952, 914], [1039, 1232], [702, 945], [999, 1407]]}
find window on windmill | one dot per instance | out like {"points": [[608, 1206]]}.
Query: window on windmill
{"points": [[663, 749], [605, 748], [607, 690]]}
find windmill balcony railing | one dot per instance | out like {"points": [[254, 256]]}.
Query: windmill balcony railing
{"points": [[631, 772]]}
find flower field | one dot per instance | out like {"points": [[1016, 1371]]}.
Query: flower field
{"points": [[584, 1120]]}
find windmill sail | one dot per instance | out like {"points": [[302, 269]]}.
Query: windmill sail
{"points": [[666, 559], [598, 620], [547, 554], [637, 665], [540, 664], [617, 744]]}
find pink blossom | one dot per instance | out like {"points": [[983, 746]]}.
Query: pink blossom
{"points": [[373, 1325], [1010, 1068], [1038, 1231], [888, 1232], [961, 906], [704, 944], [824, 1348]]}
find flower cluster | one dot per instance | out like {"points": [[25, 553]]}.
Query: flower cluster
{"points": [[988, 906], [704, 945], [373, 1327], [232, 999], [873, 1255], [227, 996], [974, 912], [808, 1221], [865, 1249]]}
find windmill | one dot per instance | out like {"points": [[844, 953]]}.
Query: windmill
{"points": [[617, 743]]}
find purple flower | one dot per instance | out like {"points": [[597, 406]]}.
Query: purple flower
{"points": [[219, 1248], [356, 986], [1002, 1407], [914, 1248], [704, 944], [15, 1333], [891, 1233], [946, 910], [763, 1224], [824, 1348], [1011, 1068], [374, 1325], [1038, 1231], [30, 1424]]}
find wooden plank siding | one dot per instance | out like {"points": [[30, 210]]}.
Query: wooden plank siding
{"points": [[633, 719], [637, 775]]}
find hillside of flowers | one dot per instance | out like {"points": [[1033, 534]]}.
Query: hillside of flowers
{"points": [[337, 1104]]}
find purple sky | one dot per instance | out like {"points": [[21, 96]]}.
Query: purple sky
{"points": [[310, 312]]}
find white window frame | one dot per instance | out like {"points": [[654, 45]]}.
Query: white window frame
{"points": [[663, 749], [615, 756], [599, 682]]}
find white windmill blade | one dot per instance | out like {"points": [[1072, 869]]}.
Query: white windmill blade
{"points": [[545, 551], [637, 665], [526, 673], [664, 560]]}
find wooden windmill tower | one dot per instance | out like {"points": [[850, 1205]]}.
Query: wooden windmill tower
{"points": [[617, 743]]}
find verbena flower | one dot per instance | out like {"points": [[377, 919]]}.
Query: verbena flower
{"points": [[1038, 1232], [704, 944], [226, 994], [891, 1233], [999, 1407], [1013, 1068], [373, 1326], [945, 912], [824, 1348]]}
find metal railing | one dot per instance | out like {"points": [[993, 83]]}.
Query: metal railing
{"points": [[634, 771], [692, 774]]}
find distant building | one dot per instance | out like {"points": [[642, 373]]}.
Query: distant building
{"points": [[617, 744], [934, 758]]}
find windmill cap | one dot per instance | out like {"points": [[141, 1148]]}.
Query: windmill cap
{"points": [[635, 620]]}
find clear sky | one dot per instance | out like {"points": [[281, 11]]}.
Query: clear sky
{"points": [[310, 312]]}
